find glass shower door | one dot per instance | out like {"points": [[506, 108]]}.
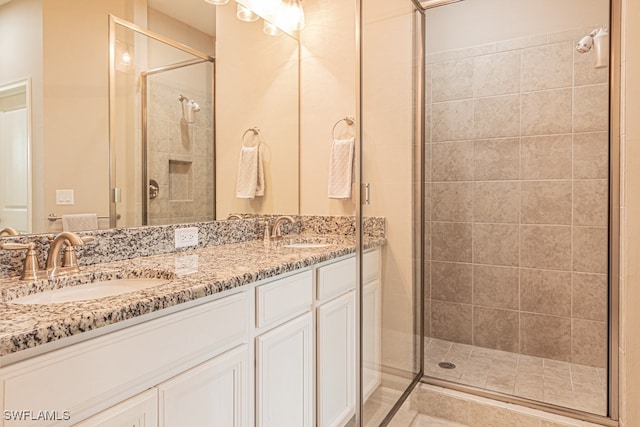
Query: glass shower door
{"points": [[391, 158]]}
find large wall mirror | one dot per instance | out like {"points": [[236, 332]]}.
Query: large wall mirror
{"points": [[199, 112]]}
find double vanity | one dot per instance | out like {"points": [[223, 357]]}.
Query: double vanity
{"points": [[234, 334]]}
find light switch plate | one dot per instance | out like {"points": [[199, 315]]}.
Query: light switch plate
{"points": [[186, 237], [64, 197]]}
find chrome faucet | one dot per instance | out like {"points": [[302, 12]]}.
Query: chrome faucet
{"points": [[70, 262], [276, 232], [8, 231]]}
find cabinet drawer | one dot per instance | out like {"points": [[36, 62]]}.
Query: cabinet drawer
{"points": [[93, 375], [371, 265], [282, 299], [336, 278]]}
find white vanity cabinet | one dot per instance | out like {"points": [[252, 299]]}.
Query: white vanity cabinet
{"points": [[284, 352], [280, 352], [215, 393], [336, 342]]}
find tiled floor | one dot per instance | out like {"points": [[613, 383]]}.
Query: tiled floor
{"points": [[559, 383]]}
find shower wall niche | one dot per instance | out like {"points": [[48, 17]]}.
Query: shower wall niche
{"points": [[517, 235]]}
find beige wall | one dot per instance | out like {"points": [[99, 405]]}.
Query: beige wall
{"points": [[21, 20], [464, 24], [327, 94], [630, 214], [256, 85]]}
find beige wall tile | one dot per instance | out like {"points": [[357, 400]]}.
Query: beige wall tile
{"points": [[496, 159], [591, 155], [590, 343], [546, 157], [545, 292], [496, 201], [591, 108], [495, 328], [452, 201], [547, 67], [452, 121], [442, 406], [451, 241], [451, 282], [452, 80], [495, 244], [590, 202], [545, 246], [545, 336], [452, 161], [547, 112], [584, 72], [451, 321], [497, 117], [590, 249], [590, 296], [546, 202], [497, 74], [495, 286]]}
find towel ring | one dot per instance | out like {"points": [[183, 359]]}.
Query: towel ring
{"points": [[348, 119], [256, 132]]}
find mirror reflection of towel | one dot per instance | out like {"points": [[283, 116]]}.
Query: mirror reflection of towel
{"points": [[250, 181], [341, 171], [79, 222]]}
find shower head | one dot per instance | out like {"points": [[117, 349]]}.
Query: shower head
{"points": [[585, 44]]}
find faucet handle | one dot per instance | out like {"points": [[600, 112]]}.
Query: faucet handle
{"points": [[70, 258], [30, 268]]}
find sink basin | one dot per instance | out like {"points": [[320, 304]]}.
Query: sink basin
{"points": [[90, 291], [305, 245]]}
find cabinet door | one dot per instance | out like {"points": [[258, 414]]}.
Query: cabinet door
{"points": [[214, 393], [284, 374], [336, 349], [138, 411], [371, 337]]}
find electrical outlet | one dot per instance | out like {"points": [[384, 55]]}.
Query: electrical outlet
{"points": [[186, 237]]}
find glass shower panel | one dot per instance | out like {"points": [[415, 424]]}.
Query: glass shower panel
{"points": [[391, 165], [517, 178], [162, 127]]}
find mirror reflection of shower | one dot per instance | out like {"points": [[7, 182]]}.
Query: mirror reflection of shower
{"points": [[192, 108], [597, 39]]}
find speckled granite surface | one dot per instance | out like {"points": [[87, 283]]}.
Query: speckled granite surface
{"points": [[127, 243], [193, 274]]}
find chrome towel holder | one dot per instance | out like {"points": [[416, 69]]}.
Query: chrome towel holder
{"points": [[256, 132], [350, 121]]}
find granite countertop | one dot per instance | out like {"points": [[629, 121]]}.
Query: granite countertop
{"points": [[192, 274]]}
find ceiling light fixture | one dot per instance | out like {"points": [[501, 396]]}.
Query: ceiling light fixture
{"points": [[245, 14], [270, 29], [217, 2]]}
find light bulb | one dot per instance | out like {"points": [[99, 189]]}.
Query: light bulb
{"points": [[270, 29], [217, 2], [291, 16], [126, 58], [245, 14]]}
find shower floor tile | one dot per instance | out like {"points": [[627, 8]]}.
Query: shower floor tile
{"points": [[550, 381]]}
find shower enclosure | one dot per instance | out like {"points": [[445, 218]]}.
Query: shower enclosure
{"points": [[485, 129], [162, 102]]}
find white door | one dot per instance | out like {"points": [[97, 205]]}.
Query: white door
{"points": [[215, 393], [14, 159], [336, 352], [284, 375], [138, 411]]}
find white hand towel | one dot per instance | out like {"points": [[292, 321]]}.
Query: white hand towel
{"points": [[250, 181], [79, 222], [341, 171]]}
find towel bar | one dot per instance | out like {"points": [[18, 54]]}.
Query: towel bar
{"points": [[53, 217]]}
